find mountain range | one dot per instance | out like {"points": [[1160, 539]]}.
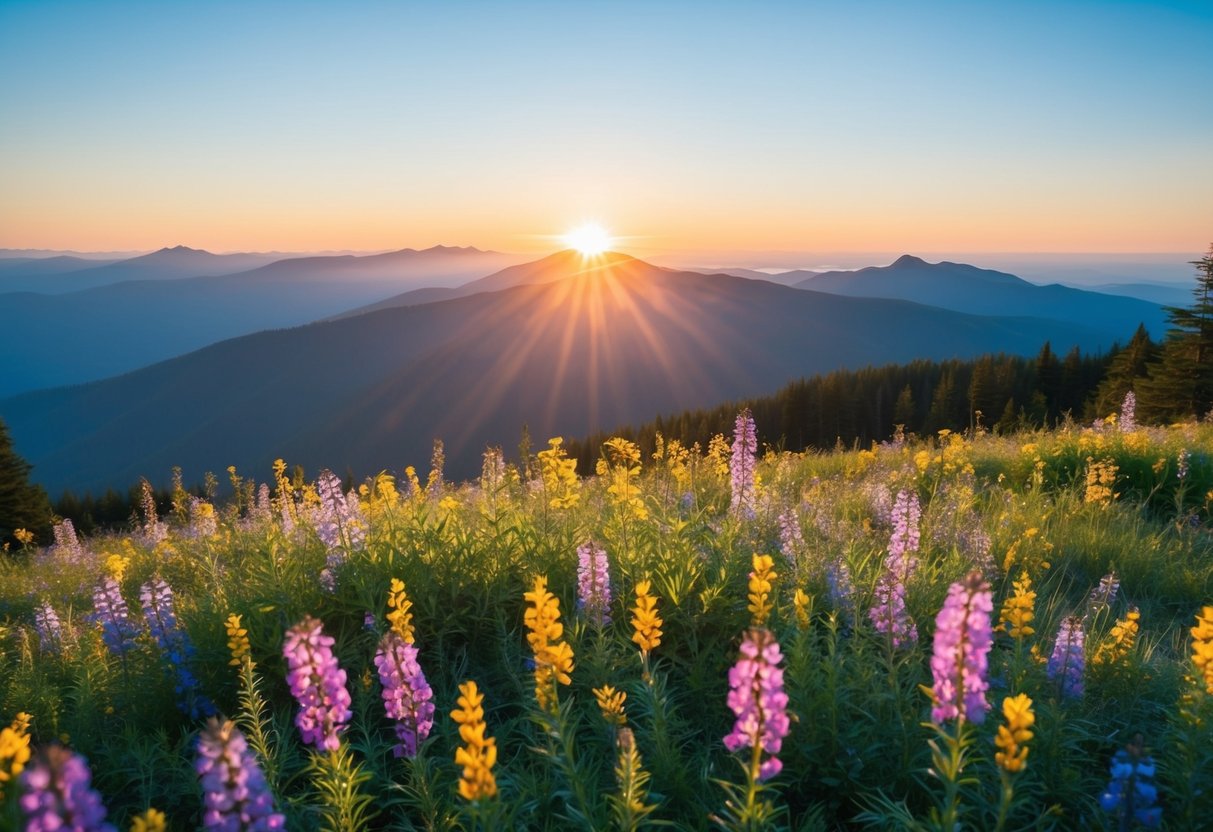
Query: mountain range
{"points": [[561, 345]]}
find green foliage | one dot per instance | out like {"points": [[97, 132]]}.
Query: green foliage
{"points": [[858, 751], [23, 505]]}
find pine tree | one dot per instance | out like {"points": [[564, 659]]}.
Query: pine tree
{"points": [[1180, 383], [1127, 369], [23, 505]]}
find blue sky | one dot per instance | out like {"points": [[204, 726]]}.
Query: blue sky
{"points": [[698, 127]]}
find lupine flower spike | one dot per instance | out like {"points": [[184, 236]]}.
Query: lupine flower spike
{"points": [[399, 614], [646, 622], [235, 795], [757, 698], [111, 612], [318, 683], [478, 754], [593, 584], [153, 820], [1202, 647], [407, 697], [14, 750], [237, 641], [1012, 738], [760, 586], [1068, 662], [742, 466], [553, 656], [174, 642], [58, 794], [1131, 794], [962, 645]]}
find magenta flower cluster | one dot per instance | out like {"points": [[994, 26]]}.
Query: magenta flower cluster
{"points": [[407, 697], [58, 794], [757, 698], [66, 547], [1128, 412], [889, 614], [235, 796], [50, 629], [963, 638], [338, 525], [317, 683], [742, 463], [111, 612], [1068, 662], [594, 583]]}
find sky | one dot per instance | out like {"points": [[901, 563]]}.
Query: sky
{"points": [[702, 129]]}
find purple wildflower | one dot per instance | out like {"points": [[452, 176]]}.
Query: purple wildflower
{"points": [[407, 697], [235, 795], [318, 683], [111, 612], [1068, 661], [889, 614], [757, 698], [741, 465], [1182, 463], [1104, 595], [50, 630], [593, 583], [791, 539], [962, 645], [1128, 413], [153, 531], [59, 794], [339, 525], [842, 591], [203, 523], [159, 611], [67, 546], [1131, 793], [906, 514]]}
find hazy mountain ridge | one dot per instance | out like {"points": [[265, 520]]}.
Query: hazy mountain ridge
{"points": [[610, 346]]}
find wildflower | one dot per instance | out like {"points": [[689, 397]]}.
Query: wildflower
{"points": [[492, 470], [802, 603], [479, 753], [842, 591], [742, 462], [962, 646], [203, 523], [791, 538], [235, 794], [152, 531], [433, 483], [1104, 595], [593, 583], [407, 697], [610, 702], [152, 820], [621, 465], [1019, 609], [58, 794], [399, 615], [760, 605], [24, 536], [1202, 646], [116, 566], [1068, 661], [1012, 738], [559, 475], [1120, 640], [111, 612], [1128, 413], [757, 698], [553, 657], [645, 620], [50, 630], [338, 524], [158, 610], [67, 546], [1182, 463], [1101, 478], [237, 641], [14, 750], [318, 683], [1131, 791]]}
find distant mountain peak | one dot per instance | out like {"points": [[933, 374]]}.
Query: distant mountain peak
{"points": [[909, 260], [182, 250]]}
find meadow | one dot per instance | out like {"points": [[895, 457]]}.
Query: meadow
{"points": [[961, 631]]}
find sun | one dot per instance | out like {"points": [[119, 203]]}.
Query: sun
{"points": [[589, 239]]}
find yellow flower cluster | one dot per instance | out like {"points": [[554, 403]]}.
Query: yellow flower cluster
{"points": [[237, 641], [1202, 646], [719, 454], [620, 463], [559, 474], [610, 702], [1019, 609], [1030, 549], [802, 603], [150, 821], [553, 657], [14, 749], [479, 753], [399, 611], [645, 620], [1012, 738], [1120, 640], [760, 589], [676, 459], [116, 566], [1101, 478], [24, 536], [953, 455]]}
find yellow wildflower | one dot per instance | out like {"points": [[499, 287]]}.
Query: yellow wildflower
{"points": [[1120, 640], [760, 589], [14, 749], [1101, 478], [610, 702], [1019, 609], [620, 464], [150, 821], [719, 454], [399, 615], [1012, 738], [645, 620], [802, 602], [237, 641], [116, 566], [553, 657], [24, 536], [559, 474], [479, 753], [448, 503], [1202, 646]]}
